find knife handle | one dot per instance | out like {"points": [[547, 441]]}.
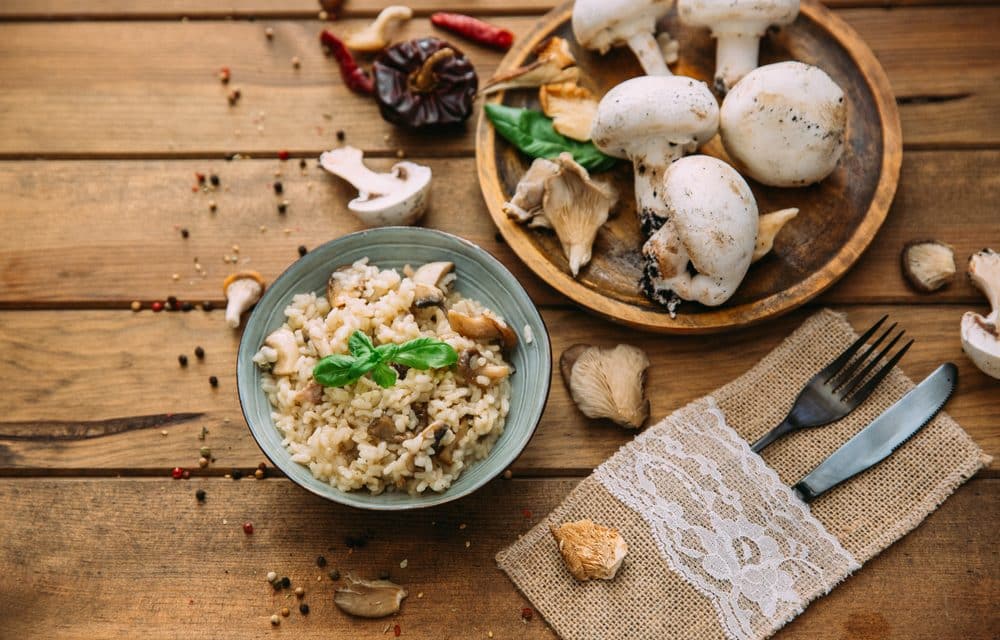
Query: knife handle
{"points": [[804, 492]]}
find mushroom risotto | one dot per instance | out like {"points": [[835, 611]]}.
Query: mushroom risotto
{"points": [[388, 381]]}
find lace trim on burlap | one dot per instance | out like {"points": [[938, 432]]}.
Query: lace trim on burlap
{"points": [[723, 521]]}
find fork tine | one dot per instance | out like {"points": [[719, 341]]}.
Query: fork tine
{"points": [[862, 394], [844, 376], [856, 382], [831, 369]]}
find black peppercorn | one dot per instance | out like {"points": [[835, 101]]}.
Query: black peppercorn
{"points": [[282, 207], [183, 360], [302, 163], [214, 179], [236, 474], [199, 353], [186, 306], [200, 495], [302, 250], [278, 188], [341, 135], [212, 380], [172, 303], [286, 582], [320, 561], [335, 574], [185, 233], [304, 609], [207, 305]]}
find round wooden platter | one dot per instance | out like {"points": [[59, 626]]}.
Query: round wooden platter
{"points": [[837, 220]]}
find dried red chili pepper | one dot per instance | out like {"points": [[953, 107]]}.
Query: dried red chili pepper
{"points": [[356, 79], [474, 29]]}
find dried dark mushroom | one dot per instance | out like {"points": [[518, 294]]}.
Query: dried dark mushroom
{"points": [[424, 82], [928, 264], [368, 598]]}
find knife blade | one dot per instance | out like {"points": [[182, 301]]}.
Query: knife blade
{"points": [[883, 435]]}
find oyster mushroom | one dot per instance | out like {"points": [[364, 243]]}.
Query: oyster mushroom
{"points": [[287, 347], [369, 598], [653, 121], [784, 124], [928, 264], [376, 35], [703, 251], [590, 551], [427, 282], [398, 197], [554, 62], [600, 25], [607, 383], [768, 226], [981, 335], [526, 205], [571, 107], [737, 25], [243, 290], [482, 328], [576, 207]]}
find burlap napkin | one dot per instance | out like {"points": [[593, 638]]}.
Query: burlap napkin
{"points": [[719, 547]]}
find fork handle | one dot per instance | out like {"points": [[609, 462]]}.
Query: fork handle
{"points": [[784, 428]]}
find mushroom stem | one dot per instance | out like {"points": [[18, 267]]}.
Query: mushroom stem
{"points": [[242, 294], [735, 56], [648, 171], [348, 163], [647, 50]]}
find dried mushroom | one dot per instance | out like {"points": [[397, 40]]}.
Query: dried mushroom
{"points": [[526, 205], [590, 551], [768, 226], [571, 107], [553, 63], [286, 346], [608, 383], [482, 328], [981, 334], [428, 283], [368, 598], [576, 207], [928, 264]]}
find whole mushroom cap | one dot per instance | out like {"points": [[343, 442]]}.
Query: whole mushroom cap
{"points": [[597, 24], [784, 124], [655, 110], [737, 16]]}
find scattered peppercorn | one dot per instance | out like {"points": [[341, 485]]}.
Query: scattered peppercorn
{"points": [[205, 452], [300, 592], [203, 462], [527, 613], [186, 306], [136, 305], [183, 360], [172, 301], [236, 474], [282, 207], [248, 528], [185, 233], [214, 179], [304, 609], [207, 305], [186, 474], [157, 306], [285, 612], [224, 75], [258, 474], [335, 574], [508, 474], [296, 63], [320, 561], [302, 250], [199, 353], [286, 582], [341, 135], [283, 155], [212, 380], [275, 620], [269, 33], [200, 177], [200, 495], [177, 473], [271, 576], [279, 188], [397, 630], [302, 163], [212, 206]]}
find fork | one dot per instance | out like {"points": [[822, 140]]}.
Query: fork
{"points": [[839, 388]]}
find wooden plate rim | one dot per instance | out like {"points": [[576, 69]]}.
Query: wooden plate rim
{"points": [[728, 317]]}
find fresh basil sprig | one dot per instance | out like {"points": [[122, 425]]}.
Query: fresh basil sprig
{"points": [[532, 132], [420, 353]]}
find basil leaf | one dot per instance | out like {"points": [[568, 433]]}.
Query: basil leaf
{"points": [[360, 344], [335, 371], [532, 132], [384, 375], [387, 351], [426, 353]]}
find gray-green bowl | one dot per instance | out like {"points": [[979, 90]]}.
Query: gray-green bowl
{"points": [[480, 276]]}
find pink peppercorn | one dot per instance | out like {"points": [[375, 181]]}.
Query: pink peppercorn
{"points": [[397, 631], [248, 528], [156, 306], [526, 613], [177, 473], [283, 155]]}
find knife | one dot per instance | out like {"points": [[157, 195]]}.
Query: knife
{"points": [[883, 435]]}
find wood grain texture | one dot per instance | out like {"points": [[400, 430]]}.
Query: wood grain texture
{"points": [[150, 89], [77, 369], [126, 218], [174, 568]]}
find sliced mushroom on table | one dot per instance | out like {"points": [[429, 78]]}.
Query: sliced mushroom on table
{"points": [[928, 264], [608, 383], [981, 334], [399, 197]]}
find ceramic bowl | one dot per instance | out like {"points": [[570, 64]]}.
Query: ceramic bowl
{"points": [[480, 276]]}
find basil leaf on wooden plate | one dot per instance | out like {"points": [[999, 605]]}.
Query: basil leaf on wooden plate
{"points": [[532, 132]]}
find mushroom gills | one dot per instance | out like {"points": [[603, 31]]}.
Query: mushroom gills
{"points": [[526, 205], [608, 383]]}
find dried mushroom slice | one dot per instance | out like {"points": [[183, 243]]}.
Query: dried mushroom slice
{"points": [[369, 598], [928, 264], [608, 383], [590, 551], [571, 107]]}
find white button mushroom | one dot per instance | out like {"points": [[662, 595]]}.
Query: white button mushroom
{"points": [[981, 335], [653, 120], [243, 290], [398, 197], [784, 124], [738, 26], [602, 24], [703, 250]]}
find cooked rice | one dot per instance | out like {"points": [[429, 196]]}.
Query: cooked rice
{"points": [[327, 428]]}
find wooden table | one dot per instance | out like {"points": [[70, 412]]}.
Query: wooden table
{"points": [[107, 110]]}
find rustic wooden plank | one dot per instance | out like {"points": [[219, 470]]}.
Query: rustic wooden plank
{"points": [[126, 217], [172, 567], [88, 381], [150, 89]]}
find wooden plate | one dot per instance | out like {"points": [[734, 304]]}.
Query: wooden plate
{"points": [[838, 217]]}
